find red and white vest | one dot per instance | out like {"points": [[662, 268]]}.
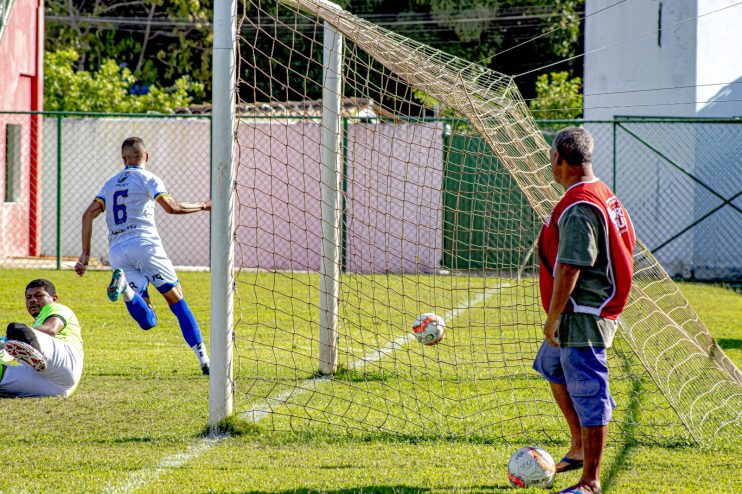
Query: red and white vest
{"points": [[620, 240]]}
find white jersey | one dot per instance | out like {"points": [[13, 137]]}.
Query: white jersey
{"points": [[129, 201]]}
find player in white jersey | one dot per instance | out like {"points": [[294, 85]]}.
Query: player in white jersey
{"points": [[137, 256]]}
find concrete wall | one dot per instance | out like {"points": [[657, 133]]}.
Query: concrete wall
{"points": [[18, 54], [718, 60], [393, 197], [179, 151], [663, 58], [395, 176]]}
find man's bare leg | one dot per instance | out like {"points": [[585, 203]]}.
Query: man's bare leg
{"points": [[561, 396], [593, 441]]}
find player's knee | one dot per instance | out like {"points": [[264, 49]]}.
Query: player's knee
{"points": [[20, 332]]}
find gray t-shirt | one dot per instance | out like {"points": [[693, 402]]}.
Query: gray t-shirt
{"points": [[582, 242]]}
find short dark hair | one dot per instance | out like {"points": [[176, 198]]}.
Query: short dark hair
{"points": [[45, 284], [133, 149], [574, 145]]}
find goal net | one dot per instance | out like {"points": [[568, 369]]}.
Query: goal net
{"points": [[440, 184]]}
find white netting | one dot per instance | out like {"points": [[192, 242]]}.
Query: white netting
{"points": [[445, 182]]}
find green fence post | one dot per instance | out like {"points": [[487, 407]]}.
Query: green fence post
{"points": [[614, 155], [211, 171], [59, 192]]}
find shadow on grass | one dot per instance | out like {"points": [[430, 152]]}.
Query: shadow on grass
{"points": [[629, 432], [384, 489], [352, 375], [730, 343], [236, 426], [129, 440]]}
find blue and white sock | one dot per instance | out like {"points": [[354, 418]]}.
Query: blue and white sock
{"points": [[190, 329], [139, 310]]}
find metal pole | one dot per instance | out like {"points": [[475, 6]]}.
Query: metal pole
{"points": [[330, 198], [614, 156], [222, 217], [344, 203], [59, 192]]}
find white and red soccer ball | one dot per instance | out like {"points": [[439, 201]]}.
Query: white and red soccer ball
{"points": [[429, 328], [531, 467]]}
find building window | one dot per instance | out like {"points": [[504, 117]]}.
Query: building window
{"points": [[12, 163]]}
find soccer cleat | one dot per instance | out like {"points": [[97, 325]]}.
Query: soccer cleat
{"points": [[205, 369], [117, 285], [26, 353], [4, 357]]}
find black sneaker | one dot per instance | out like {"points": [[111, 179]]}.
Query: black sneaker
{"points": [[205, 369]]}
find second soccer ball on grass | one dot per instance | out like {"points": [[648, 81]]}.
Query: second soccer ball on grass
{"points": [[531, 467], [429, 328]]}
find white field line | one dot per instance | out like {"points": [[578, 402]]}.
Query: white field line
{"points": [[144, 476], [257, 413]]}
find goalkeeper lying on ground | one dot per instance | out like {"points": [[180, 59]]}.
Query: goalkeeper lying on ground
{"points": [[49, 354]]}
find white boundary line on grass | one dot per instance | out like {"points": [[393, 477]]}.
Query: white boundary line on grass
{"points": [[144, 476], [257, 413]]}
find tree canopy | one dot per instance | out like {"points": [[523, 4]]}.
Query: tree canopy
{"points": [[157, 44], [106, 90]]}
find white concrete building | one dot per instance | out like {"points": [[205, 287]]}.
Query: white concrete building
{"points": [[677, 58], [682, 180]]}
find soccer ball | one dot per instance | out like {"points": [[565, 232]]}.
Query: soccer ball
{"points": [[429, 328], [531, 467]]}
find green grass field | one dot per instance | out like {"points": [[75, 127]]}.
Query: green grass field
{"points": [[137, 421]]}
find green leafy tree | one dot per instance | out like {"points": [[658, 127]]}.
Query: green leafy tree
{"points": [[558, 97], [158, 41], [563, 27], [486, 31], [106, 89]]}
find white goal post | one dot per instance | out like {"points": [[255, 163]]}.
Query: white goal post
{"points": [[222, 227], [222, 216], [332, 90]]}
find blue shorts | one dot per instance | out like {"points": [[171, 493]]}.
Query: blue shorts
{"points": [[585, 373]]}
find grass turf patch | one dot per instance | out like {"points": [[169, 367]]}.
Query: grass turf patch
{"points": [[136, 422]]}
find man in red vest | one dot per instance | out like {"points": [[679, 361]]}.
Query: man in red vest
{"points": [[586, 251]]}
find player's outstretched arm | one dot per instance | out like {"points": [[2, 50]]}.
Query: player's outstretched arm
{"points": [[88, 216], [171, 206]]}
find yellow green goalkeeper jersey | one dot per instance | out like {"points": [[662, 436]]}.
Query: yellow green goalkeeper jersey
{"points": [[71, 333]]}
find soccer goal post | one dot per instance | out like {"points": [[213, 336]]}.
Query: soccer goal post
{"points": [[222, 217], [332, 90], [384, 179]]}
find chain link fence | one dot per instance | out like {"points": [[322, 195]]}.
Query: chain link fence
{"points": [[682, 182], [44, 200], [680, 179]]}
